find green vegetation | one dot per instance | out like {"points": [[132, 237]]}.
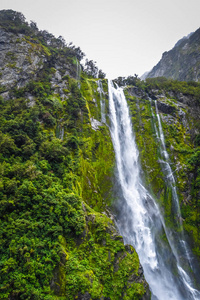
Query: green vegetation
{"points": [[37, 204], [15, 22], [50, 244], [56, 171], [190, 88], [145, 135], [182, 141], [100, 265]]}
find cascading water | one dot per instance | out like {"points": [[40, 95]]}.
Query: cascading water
{"points": [[170, 181], [139, 219], [78, 73], [167, 170], [102, 101]]}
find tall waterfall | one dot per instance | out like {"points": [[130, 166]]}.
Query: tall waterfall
{"points": [[139, 219]]}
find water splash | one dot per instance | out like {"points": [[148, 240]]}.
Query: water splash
{"points": [[139, 219]]}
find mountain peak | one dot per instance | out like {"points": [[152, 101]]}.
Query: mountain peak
{"points": [[182, 62]]}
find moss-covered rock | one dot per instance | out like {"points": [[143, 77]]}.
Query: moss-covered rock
{"points": [[57, 239], [97, 265], [178, 107]]}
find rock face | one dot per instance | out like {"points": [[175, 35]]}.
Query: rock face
{"points": [[23, 59], [179, 108], [182, 62], [95, 124], [165, 108], [18, 60], [56, 173]]}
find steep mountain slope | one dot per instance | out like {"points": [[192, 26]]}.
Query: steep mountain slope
{"points": [[179, 108], [58, 239], [182, 62], [57, 236]]}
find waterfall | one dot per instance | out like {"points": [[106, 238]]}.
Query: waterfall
{"points": [[60, 132], [139, 219], [168, 171], [170, 181], [78, 73], [102, 101]]}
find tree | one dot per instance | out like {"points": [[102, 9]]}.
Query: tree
{"points": [[33, 25], [11, 16], [91, 68], [61, 42], [101, 74]]}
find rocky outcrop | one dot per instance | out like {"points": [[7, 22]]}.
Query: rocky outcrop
{"points": [[95, 124], [179, 109], [182, 62], [20, 60], [136, 92], [23, 59], [165, 108], [51, 124]]}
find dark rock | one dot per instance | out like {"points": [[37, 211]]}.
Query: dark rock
{"points": [[136, 92], [54, 284], [129, 249], [85, 296], [165, 108]]}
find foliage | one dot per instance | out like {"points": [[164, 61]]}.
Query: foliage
{"points": [[181, 133], [91, 68], [188, 88], [52, 245], [15, 22], [145, 135], [101, 74], [130, 80], [101, 265], [37, 203]]}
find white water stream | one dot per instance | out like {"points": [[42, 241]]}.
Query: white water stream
{"points": [[139, 220], [170, 180], [78, 73], [167, 170], [102, 101]]}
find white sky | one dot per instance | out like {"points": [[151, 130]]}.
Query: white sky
{"points": [[124, 37]]}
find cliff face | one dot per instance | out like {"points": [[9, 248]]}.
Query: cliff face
{"points": [[179, 108], [18, 60], [57, 236], [182, 62]]}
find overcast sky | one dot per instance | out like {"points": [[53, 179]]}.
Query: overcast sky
{"points": [[124, 37]]}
